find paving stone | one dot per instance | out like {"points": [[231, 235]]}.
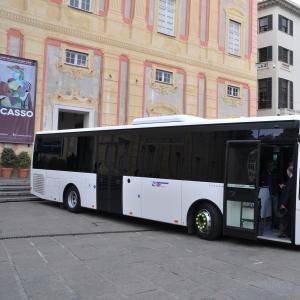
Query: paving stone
{"points": [[161, 263]]}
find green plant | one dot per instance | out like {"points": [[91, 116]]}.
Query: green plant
{"points": [[8, 158], [23, 160]]}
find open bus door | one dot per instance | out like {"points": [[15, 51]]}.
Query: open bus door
{"points": [[241, 187]]}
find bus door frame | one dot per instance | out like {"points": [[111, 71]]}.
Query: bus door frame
{"points": [[238, 193], [295, 205]]}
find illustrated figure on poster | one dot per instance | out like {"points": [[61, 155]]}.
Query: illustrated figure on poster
{"points": [[15, 93]]}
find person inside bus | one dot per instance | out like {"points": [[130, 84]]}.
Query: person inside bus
{"points": [[285, 203], [270, 180]]}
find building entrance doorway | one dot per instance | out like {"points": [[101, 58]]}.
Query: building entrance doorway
{"points": [[71, 120]]}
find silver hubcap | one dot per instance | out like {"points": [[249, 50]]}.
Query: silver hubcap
{"points": [[72, 199], [203, 221]]}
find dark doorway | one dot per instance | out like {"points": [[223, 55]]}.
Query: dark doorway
{"points": [[70, 120], [275, 159]]}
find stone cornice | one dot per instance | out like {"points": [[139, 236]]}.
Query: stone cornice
{"points": [[286, 4], [102, 40]]}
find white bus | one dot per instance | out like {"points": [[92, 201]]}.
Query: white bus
{"points": [[213, 176]]}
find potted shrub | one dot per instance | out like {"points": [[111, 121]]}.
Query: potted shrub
{"points": [[8, 162], [23, 162]]}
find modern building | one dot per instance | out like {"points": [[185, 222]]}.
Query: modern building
{"points": [[106, 62], [278, 57]]}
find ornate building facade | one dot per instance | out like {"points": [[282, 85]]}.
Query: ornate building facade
{"points": [[106, 62]]}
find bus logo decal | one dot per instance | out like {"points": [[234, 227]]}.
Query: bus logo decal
{"points": [[159, 183]]}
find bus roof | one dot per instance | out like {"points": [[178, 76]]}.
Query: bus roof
{"points": [[179, 120]]}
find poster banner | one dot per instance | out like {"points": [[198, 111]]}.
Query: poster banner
{"points": [[17, 99]]}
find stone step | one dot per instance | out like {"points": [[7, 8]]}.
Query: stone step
{"points": [[19, 199], [14, 188], [17, 193], [14, 182]]}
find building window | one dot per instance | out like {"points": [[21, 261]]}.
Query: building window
{"points": [[286, 93], [285, 55], [265, 93], [265, 23], [164, 77], [233, 91], [265, 54], [81, 4], [285, 25], [166, 20], [234, 38], [76, 58]]}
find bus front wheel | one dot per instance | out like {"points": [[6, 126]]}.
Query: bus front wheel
{"points": [[72, 199], [208, 222]]}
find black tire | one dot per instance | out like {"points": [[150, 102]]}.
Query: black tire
{"points": [[208, 221], [72, 199]]}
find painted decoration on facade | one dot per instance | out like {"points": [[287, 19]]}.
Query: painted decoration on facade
{"points": [[201, 95], [17, 99], [232, 106], [68, 86], [240, 12], [123, 90], [204, 22], [161, 98]]}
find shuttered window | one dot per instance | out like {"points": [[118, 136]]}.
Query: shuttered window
{"points": [[265, 23], [265, 54], [166, 20], [265, 93], [285, 55], [283, 93], [285, 25], [291, 95], [234, 38]]}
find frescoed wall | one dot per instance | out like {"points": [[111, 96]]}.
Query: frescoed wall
{"points": [[125, 42], [68, 86], [160, 98]]}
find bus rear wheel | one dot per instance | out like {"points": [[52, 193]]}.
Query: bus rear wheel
{"points": [[208, 222], [72, 199]]}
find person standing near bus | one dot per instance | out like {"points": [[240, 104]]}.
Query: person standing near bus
{"points": [[285, 204]]}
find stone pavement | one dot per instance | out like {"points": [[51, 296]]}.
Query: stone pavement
{"points": [[48, 253]]}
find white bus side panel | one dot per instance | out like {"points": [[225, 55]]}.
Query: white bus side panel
{"points": [[195, 190], [132, 193], [152, 198], [50, 185], [166, 200], [161, 200]]}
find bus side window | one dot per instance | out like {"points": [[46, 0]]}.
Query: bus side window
{"points": [[48, 153]]}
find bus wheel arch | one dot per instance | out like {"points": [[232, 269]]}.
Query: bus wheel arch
{"points": [[71, 198], [209, 210]]}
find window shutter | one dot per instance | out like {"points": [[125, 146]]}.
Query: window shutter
{"points": [[291, 57], [270, 22], [280, 22], [270, 53], [280, 94], [291, 27], [269, 93], [291, 95], [280, 53]]}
